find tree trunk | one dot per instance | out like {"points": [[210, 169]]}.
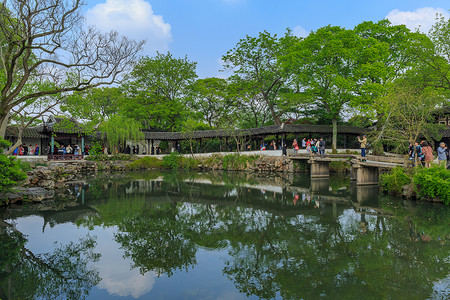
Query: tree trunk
{"points": [[334, 142], [4, 119]]}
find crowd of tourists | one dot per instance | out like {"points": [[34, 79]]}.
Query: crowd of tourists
{"points": [[27, 150], [422, 154]]}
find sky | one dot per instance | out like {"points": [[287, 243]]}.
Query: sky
{"points": [[204, 30]]}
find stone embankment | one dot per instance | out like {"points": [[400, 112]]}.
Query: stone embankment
{"points": [[44, 182], [271, 164]]}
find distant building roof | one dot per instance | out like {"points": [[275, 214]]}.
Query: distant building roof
{"points": [[267, 130], [32, 132]]}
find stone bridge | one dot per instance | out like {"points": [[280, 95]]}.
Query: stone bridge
{"points": [[365, 171]]}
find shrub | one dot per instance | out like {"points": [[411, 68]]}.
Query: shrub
{"points": [[146, 163], [433, 183], [10, 170], [104, 157], [237, 162], [172, 161], [394, 181]]}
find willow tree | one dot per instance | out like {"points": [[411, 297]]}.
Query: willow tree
{"points": [[47, 40], [119, 130]]}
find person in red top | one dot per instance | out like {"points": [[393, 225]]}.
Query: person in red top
{"points": [[308, 146], [428, 152], [295, 146]]}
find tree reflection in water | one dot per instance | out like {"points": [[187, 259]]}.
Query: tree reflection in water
{"points": [[285, 237], [324, 247], [63, 273]]}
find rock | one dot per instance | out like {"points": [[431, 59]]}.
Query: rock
{"points": [[50, 184], [35, 194], [408, 191]]}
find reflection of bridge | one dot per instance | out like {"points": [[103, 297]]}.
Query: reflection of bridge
{"points": [[364, 171]]}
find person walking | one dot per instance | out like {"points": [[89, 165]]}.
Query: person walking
{"points": [[428, 152], [442, 154], [304, 143], [363, 143]]}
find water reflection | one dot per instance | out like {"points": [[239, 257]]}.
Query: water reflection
{"points": [[276, 237]]}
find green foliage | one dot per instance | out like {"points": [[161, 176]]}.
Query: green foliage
{"points": [[172, 161], [394, 181], [11, 172], [156, 91], [119, 129], [237, 162], [433, 183], [104, 157], [146, 163], [339, 166], [177, 161]]}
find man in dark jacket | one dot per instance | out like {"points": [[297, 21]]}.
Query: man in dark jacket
{"points": [[322, 147]]}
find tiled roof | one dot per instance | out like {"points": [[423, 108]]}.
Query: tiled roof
{"points": [[267, 130], [32, 132]]}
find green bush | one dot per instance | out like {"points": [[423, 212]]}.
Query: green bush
{"points": [[176, 161], [237, 162], [394, 181], [104, 157], [146, 163], [10, 170], [433, 183], [172, 161]]}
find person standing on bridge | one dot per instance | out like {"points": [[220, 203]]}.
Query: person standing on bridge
{"points": [[428, 152], [322, 147], [363, 143], [295, 146], [442, 154]]}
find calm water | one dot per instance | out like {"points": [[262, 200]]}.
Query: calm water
{"points": [[224, 236]]}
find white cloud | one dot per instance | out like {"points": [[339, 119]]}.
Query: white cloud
{"points": [[117, 277], [421, 18], [132, 18], [299, 31]]}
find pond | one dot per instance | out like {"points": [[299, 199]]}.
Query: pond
{"points": [[161, 235]]}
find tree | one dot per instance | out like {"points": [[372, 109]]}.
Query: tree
{"points": [[330, 66], [119, 129], [210, 98], [47, 40], [94, 106], [252, 112], [408, 109], [433, 53], [254, 60], [155, 91]]}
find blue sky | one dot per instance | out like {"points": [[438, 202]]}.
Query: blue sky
{"points": [[204, 30]]}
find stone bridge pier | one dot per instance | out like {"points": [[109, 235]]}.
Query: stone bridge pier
{"points": [[319, 168], [364, 175]]}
